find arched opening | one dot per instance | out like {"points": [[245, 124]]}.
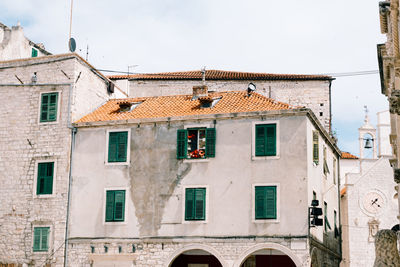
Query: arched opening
{"points": [[196, 258], [268, 258]]}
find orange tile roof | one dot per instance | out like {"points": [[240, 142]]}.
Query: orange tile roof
{"points": [[183, 105], [347, 155], [219, 75]]}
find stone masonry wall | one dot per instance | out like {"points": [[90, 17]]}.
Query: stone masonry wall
{"points": [[311, 94], [24, 141], [161, 253]]}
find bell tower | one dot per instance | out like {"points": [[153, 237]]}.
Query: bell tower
{"points": [[367, 137]]}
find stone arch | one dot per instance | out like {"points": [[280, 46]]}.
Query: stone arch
{"points": [[206, 248], [275, 246]]}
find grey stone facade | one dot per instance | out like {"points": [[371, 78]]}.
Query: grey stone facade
{"points": [[25, 141]]}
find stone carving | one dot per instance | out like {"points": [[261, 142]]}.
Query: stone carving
{"points": [[394, 102], [373, 226], [397, 175], [386, 253]]}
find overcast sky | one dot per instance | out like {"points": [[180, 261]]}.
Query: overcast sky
{"points": [[291, 36]]}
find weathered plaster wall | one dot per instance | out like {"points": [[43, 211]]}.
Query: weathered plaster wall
{"points": [[23, 143], [155, 179], [311, 94]]}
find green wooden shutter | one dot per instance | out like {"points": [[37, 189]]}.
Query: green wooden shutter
{"points": [[36, 238], [34, 52], [210, 142], [270, 139], [119, 205], [260, 140], [112, 147], [260, 197], [45, 239], [270, 192], [189, 204], [45, 178], [315, 147], [53, 107], [122, 146], [44, 107], [181, 144], [200, 205], [265, 202], [110, 206]]}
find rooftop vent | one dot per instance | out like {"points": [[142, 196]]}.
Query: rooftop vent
{"points": [[125, 106], [208, 102]]}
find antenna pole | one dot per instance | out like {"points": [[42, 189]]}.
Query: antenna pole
{"points": [[87, 52], [70, 21]]}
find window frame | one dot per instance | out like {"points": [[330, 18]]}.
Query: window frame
{"points": [[127, 196], [199, 126], [253, 139], [35, 180], [315, 142], [49, 237], [253, 205], [206, 213], [58, 107], [128, 145]]}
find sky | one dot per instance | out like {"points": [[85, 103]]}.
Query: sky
{"points": [[291, 36]]}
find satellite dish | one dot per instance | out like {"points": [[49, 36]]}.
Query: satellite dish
{"points": [[72, 45]]}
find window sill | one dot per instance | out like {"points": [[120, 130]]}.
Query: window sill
{"points": [[195, 222], [45, 196], [115, 223], [116, 163], [266, 221], [195, 160], [265, 157], [40, 251], [48, 122]]}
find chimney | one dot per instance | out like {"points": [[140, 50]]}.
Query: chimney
{"points": [[200, 91]]}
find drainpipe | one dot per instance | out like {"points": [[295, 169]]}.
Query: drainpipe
{"points": [[73, 133]]}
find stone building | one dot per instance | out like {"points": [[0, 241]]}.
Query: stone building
{"points": [[368, 195], [389, 68], [40, 97], [311, 91], [14, 44], [204, 179]]}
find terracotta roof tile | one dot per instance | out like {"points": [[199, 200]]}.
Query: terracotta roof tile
{"points": [[219, 75], [347, 155], [183, 105]]}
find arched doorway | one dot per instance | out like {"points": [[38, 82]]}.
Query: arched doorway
{"points": [[268, 255], [268, 258], [196, 255]]}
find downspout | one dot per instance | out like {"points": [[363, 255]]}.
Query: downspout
{"points": [[330, 107], [73, 133]]}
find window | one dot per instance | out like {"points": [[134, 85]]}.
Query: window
{"points": [[265, 140], [41, 238], [315, 147], [117, 146], [115, 206], [196, 143], [325, 167], [34, 52], [326, 222], [48, 107], [45, 178], [195, 204], [265, 202], [334, 171]]}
